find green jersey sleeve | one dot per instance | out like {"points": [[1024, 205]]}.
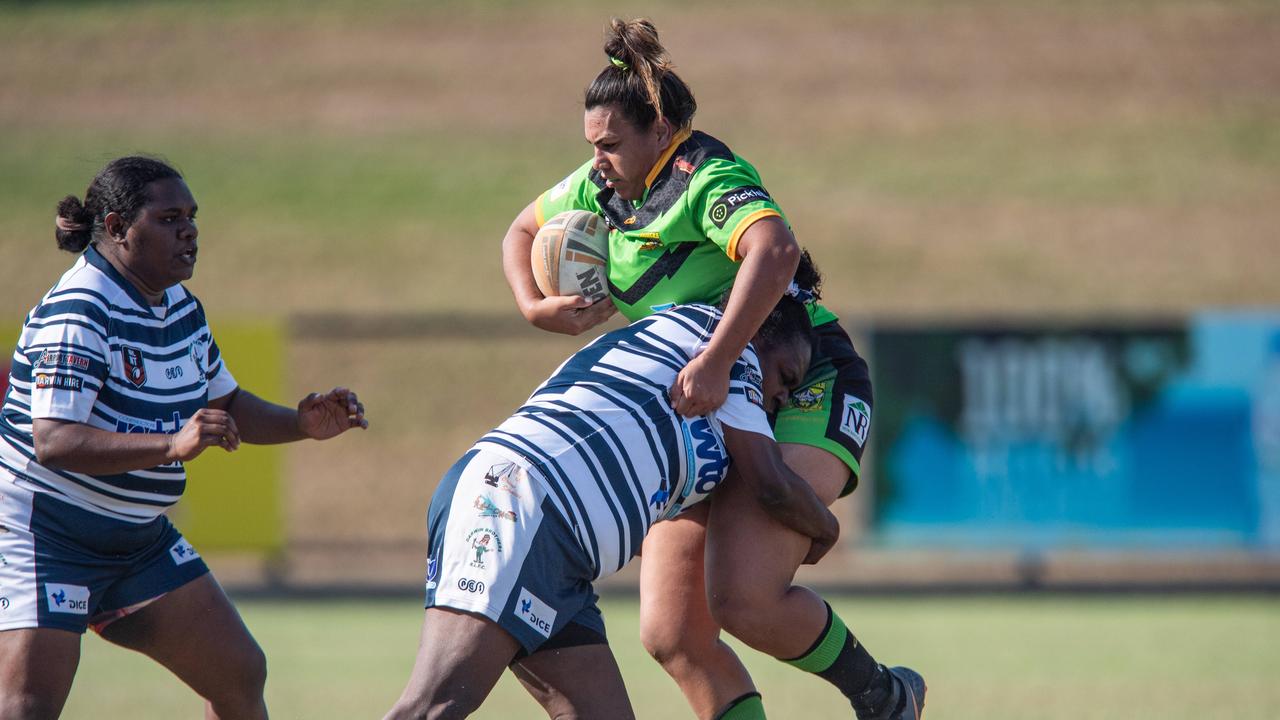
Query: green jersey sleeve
{"points": [[727, 197], [575, 192]]}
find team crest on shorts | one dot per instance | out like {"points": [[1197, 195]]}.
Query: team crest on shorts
{"points": [[483, 541], [809, 398], [855, 420], [135, 370], [182, 552]]}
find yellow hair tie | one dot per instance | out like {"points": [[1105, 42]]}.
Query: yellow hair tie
{"points": [[618, 63]]}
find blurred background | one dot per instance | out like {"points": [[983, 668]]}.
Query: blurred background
{"points": [[1053, 226]]}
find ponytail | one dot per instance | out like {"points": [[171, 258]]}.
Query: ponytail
{"points": [[640, 78]]}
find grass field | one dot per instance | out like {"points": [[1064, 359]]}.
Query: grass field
{"points": [[989, 658]]}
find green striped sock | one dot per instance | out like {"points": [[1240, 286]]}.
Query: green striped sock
{"points": [[823, 653], [747, 707]]}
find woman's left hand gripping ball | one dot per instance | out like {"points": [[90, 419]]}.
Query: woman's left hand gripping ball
{"points": [[321, 417]]}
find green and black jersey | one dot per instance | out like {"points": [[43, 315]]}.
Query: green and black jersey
{"points": [[679, 243]]}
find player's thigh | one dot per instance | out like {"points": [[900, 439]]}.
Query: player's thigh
{"points": [[37, 666], [576, 682], [823, 471], [196, 632], [673, 597]]}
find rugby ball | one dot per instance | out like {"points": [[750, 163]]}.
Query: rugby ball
{"points": [[570, 255]]}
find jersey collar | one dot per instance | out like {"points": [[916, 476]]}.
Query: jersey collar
{"points": [[95, 258], [676, 142]]}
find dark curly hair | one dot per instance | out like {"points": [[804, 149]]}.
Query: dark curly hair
{"points": [[119, 187]]}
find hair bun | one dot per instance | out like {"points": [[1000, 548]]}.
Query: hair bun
{"points": [[74, 225]]}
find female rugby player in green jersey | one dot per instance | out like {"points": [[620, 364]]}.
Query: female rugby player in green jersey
{"points": [[690, 219]]}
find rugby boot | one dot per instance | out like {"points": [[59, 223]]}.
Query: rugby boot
{"points": [[905, 701]]}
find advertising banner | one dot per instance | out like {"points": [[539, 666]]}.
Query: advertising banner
{"points": [[1163, 436]]}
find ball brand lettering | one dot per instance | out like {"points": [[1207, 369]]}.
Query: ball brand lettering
{"points": [[589, 280]]}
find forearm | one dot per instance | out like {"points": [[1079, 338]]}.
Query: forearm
{"points": [[77, 447], [262, 422], [779, 490]]}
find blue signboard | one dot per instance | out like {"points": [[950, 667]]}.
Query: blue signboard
{"points": [[1164, 436]]}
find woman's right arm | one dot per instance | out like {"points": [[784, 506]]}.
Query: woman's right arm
{"points": [[77, 447], [571, 314], [782, 493]]}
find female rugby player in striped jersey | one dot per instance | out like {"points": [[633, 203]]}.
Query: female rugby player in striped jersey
{"points": [[563, 492], [116, 382], [689, 219]]}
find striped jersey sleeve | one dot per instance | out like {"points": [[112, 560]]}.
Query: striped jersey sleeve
{"points": [[94, 352], [601, 432]]}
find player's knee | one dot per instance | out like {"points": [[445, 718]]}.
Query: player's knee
{"points": [[740, 614], [244, 679], [673, 644]]}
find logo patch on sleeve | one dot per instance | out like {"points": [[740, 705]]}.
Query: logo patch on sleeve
{"points": [[729, 203], [59, 382], [539, 615], [560, 189], [70, 599], [855, 420], [56, 358]]}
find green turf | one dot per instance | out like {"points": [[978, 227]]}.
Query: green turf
{"points": [[994, 658]]}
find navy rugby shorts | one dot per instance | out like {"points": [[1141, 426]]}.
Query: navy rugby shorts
{"points": [[67, 568], [499, 548], [832, 408]]}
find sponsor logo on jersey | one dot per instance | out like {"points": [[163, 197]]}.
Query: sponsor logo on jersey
{"points": [[433, 572], [684, 166], [809, 398], [4, 604], [70, 599], [706, 463], [59, 358], [755, 397], [137, 425], [489, 509], [855, 421], [483, 541], [539, 615], [729, 203], [182, 552], [59, 382], [560, 189], [135, 370]]}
